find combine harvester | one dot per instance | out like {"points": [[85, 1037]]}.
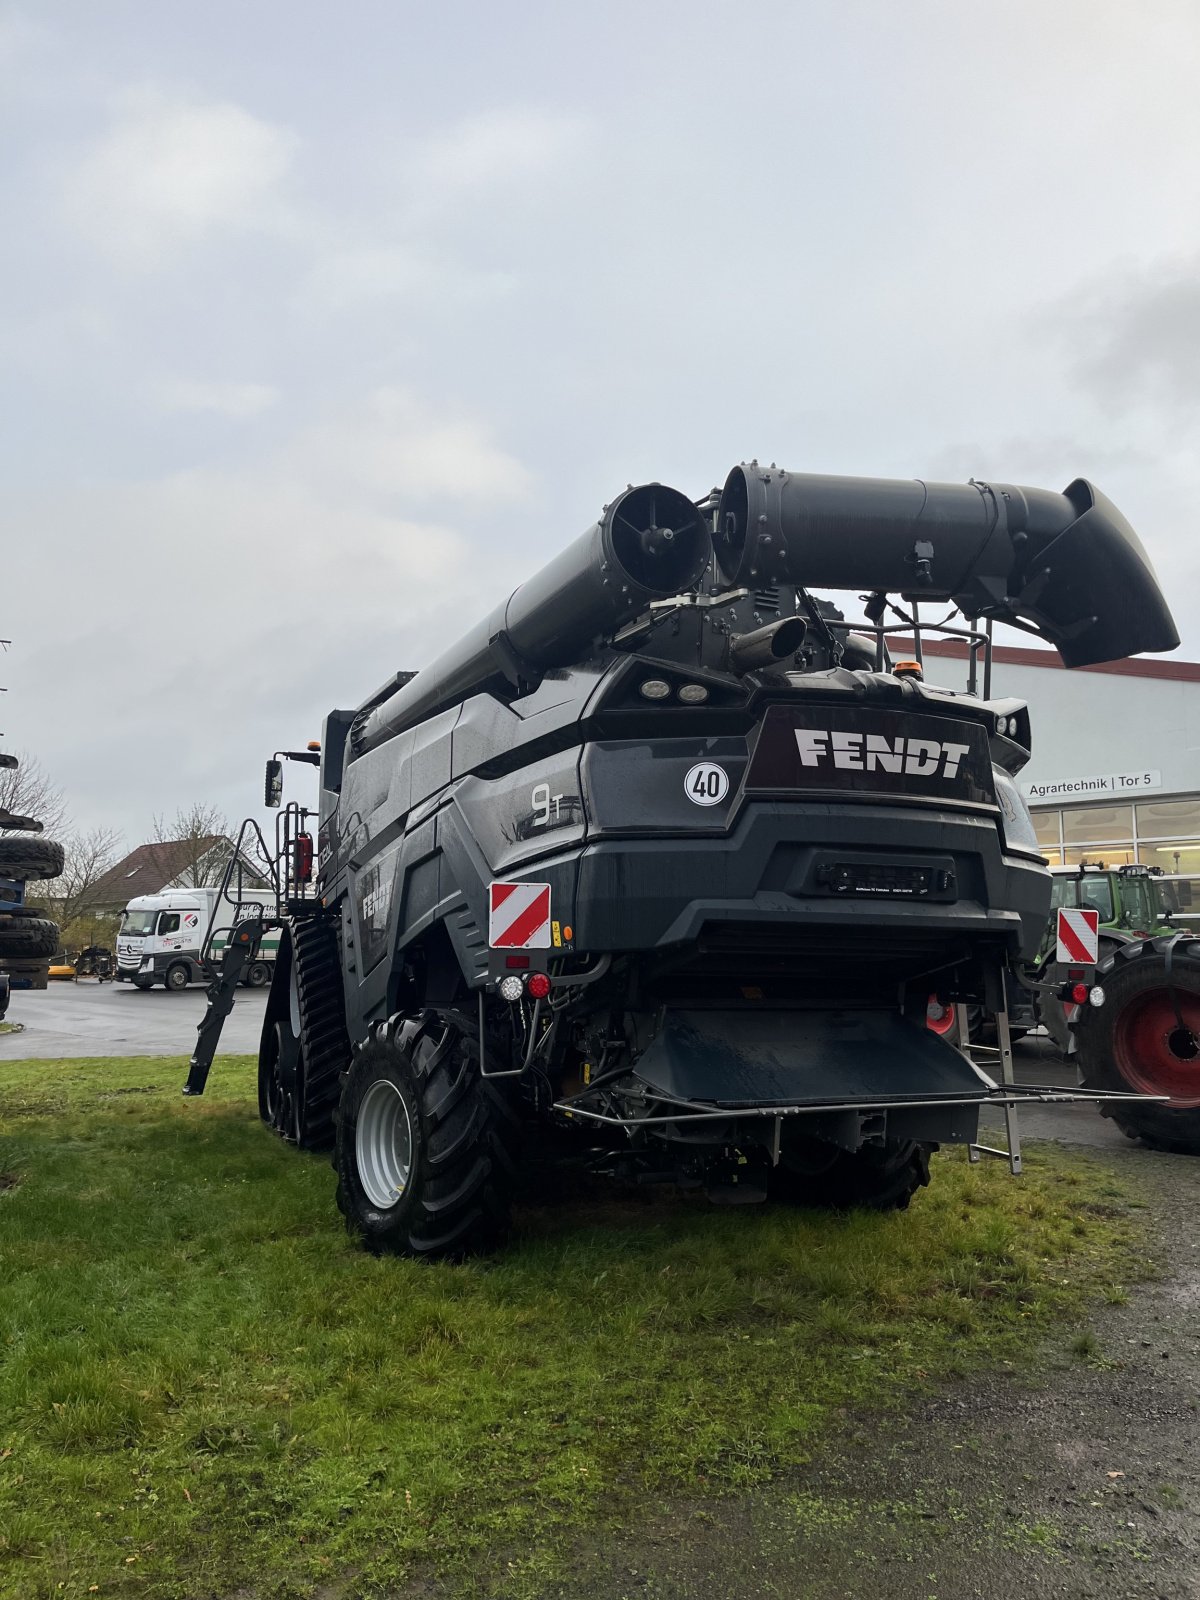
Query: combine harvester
{"points": [[665, 859]]}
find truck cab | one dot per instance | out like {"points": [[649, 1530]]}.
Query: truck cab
{"points": [[161, 938]]}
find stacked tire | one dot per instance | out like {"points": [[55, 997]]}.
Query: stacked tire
{"points": [[28, 938], [1145, 1041]]}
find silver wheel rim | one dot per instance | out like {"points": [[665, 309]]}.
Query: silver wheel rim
{"points": [[383, 1144]]}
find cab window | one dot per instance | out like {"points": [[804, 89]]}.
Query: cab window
{"points": [[1063, 892], [168, 922], [1137, 904], [1097, 893]]}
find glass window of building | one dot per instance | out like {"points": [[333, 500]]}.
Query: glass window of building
{"points": [[1098, 824], [1046, 827], [1168, 819], [1104, 855], [1172, 855]]}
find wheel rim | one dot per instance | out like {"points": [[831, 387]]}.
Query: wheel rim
{"points": [[383, 1144], [1153, 1053], [940, 1018]]}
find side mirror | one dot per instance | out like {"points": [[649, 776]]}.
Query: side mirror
{"points": [[273, 788]]}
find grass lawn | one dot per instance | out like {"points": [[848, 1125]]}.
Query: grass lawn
{"points": [[207, 1389]]}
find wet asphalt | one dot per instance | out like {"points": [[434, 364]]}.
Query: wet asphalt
{"points": [[67, 1021]]}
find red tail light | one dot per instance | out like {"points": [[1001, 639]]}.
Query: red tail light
{"points": [[303, 857], [538, 985], [1079, 994]]}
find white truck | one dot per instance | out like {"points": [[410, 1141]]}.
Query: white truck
{"points": [[161, 936]]}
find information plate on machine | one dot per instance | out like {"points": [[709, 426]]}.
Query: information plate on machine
{"points": [[859, 750], [519, 916], [1078, 936]]}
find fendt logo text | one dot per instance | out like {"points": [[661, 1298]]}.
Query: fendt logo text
{"points": [[871, 752]]}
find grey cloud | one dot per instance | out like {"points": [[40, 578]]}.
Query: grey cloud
{"points": [[1138, 340]]}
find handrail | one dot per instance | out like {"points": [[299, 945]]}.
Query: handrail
{"points": [[249, 834]]}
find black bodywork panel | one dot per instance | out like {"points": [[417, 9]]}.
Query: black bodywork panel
{"points": [[812, 1058]]}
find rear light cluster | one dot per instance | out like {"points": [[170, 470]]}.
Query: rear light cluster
{"points": [[690, 694], [1085, 994], [516, 986]]}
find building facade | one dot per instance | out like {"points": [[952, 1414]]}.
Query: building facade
{"points": [[1115, 770]]}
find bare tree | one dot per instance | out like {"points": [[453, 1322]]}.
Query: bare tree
{"points": [[71, 897], [205, 832], [27, 790]]}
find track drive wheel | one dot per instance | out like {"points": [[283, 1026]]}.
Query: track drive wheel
{"points": [[1135, 1043], [425, 1152], [304, 1047], [875, 1178]]}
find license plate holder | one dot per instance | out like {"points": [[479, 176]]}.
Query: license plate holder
{"points": [[850, 876]]}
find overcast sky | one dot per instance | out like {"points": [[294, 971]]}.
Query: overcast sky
{"points": [[321, 326]]}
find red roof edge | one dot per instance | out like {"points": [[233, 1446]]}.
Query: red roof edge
{"points": [[1015, 656]]}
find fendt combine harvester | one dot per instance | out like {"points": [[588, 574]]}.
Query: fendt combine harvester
{"points": [[664, 860]]}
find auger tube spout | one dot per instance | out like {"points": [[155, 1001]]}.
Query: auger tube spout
{"points": [[1066, 566], [650, 544]]}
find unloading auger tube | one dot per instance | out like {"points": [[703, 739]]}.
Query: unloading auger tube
{"points": [[1067, 566], [650, 544]]}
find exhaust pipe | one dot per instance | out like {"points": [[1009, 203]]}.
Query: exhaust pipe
{"points": [[766, 646]]}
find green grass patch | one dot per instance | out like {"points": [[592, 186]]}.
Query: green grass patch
{"points": [[207, 1388]]}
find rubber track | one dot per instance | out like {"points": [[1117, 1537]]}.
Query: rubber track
{"points": [[324, 1042]]}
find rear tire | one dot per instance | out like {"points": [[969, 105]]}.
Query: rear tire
{"points": [[875, 1178], [258, 976], [425, 1146], [28, 939], [1133, 1044], [30, 858]]}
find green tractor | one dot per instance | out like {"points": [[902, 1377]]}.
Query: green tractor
{"points": [[1130, 906]]}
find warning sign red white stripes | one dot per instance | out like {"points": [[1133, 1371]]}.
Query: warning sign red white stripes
{"points": [[1078, 936], [519, 916]]}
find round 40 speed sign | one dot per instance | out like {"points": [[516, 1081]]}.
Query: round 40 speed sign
{"points": [[706, 784]]}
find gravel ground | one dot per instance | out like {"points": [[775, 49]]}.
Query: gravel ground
{"points": [[1079, 1476]]}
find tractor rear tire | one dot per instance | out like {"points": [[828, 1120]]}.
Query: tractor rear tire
{"points": [[1133, 1043], [425, 1153], [28, 939], [30, 858], [875, 1178]]}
